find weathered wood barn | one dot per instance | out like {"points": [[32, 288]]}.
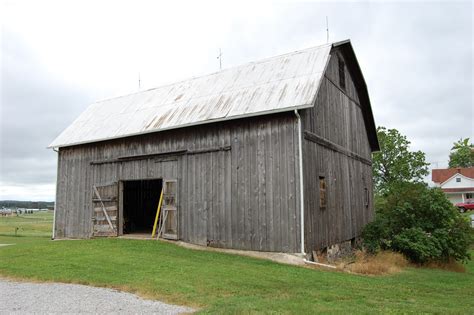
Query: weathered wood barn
{"points": [[273, 155]]}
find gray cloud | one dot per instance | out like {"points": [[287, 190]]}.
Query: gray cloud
{"points": [[417, 60], [35, 108]]}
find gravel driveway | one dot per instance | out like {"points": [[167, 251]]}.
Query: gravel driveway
{"points": [[23, 297]]}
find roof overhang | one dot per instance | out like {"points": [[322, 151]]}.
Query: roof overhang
{"points": [[186, 126], [293, 88], [458, 190]]}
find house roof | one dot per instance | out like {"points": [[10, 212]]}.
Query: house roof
{"points": [[282, 83], [442, 175]]}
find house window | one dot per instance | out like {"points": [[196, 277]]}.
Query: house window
{"points": [[469, 195], [342, 73], [322, 192], [458, 179]]}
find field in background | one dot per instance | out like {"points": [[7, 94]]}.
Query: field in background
{"points": [[37, 224], [223, 283]]}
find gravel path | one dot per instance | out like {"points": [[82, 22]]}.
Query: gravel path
{"points": [[51, 298]]}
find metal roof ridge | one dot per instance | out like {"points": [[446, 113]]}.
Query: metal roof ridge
{"points": [[267, 59]]}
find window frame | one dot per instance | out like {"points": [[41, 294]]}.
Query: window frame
{"points": [[322, 192]]}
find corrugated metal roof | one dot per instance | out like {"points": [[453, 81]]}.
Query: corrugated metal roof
{"points": [[276, 84]]}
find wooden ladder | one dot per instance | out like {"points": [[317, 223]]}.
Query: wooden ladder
{"points": [[158, 212]]}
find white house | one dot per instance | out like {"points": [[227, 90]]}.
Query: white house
{"points": [[457, 183]]}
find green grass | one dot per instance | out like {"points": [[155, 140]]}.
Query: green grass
{"points": [[223, 283], [37, 224]]}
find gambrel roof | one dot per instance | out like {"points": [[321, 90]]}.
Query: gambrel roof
{"points": [[277, 84]]}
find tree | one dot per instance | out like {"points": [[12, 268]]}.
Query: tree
{"points": [[395, 163], [419, 222], [462, 154]]}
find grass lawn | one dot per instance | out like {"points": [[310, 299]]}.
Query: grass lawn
{"points": [[224, 283], [37, 224]]}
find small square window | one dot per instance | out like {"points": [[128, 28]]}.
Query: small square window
{"points": [[458, 179]]}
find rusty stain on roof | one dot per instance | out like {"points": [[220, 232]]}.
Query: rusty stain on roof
{"points": [[276, 84]]}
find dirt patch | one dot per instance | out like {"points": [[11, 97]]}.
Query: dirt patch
{"points": [[449, 266], [383, 263]]}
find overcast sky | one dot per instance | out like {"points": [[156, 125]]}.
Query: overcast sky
{"points": [[59, 56]]}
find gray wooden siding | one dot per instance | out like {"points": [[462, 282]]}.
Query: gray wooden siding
{"points": [[336, 147], [241, 193]]}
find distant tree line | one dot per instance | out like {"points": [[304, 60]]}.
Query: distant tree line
{"points": [[26, 204]]}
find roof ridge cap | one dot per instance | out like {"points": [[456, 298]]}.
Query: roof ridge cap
{"points": [[266, 59]]}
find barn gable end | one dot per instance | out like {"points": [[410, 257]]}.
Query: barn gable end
{"points": [[339, 140]]}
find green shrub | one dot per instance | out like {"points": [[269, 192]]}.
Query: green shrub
{"points": [[417, 245], [419, 222]]}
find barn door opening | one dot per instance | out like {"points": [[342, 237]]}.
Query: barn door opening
{"points": [[140, 200], [105, 205], [170, 209]]}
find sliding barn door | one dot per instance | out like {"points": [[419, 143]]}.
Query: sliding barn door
{"points": [[105, 205]]}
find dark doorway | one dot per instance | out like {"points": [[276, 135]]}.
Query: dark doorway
{"points": [[140, 201]]}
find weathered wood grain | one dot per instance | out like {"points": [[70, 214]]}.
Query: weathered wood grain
{"points": [[336, 147], [226, 186]]}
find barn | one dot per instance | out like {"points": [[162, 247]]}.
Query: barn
{"points": [[273, 155]]}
